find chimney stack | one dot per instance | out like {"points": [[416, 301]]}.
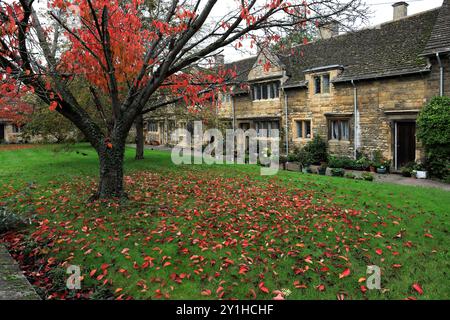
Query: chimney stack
{"points": [[219, 60], [400, 10], [329, 30]]}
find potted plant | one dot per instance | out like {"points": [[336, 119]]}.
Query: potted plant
{"points": [[407, 172], [420, 171]]}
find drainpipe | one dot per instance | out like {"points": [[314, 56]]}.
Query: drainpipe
{"points": [[234, 113], [286, 110], [356, 116], [441, 75]]}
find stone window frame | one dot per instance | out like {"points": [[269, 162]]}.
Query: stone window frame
{"points": [[295, 127], [340, 120], [226, 98], [152, 125], [321, 91], [16, 128], [268, 88], [269, 124]]}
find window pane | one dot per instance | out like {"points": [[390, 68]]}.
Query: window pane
{"points": [[276, 125], [326, 83], [152, 127], [270, 91], [335, 130], [264, 93], [345, 130], [299, 129], [317, 88], [255, 93], [307, 129]]}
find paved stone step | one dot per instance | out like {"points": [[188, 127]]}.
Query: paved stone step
{"points": [[13, 284]]}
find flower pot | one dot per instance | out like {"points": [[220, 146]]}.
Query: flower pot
{"points": [[293, 166], [422, 174], [382, 170], [373, 169]]}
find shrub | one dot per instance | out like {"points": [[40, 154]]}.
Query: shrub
{"points": [[305, 158], [343, 163], [292, 157], [368, 176], [317, 148], [10, 221], [350, 176], [433, 129], [337, 172], [438, 163], [335, 162], [283, 159]]}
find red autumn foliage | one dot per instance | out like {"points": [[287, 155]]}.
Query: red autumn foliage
{"points": [[134, 59]]}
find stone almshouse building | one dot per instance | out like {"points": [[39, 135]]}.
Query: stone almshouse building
{"points": [[359, 91]]}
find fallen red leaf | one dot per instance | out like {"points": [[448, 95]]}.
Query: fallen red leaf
{"points": [[206, 292], [263, 288], [418, 288], [321, 287], [344, 274]]}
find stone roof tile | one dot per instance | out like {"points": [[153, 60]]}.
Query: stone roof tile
{"points": [[440, 37]]}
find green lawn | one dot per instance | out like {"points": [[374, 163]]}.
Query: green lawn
{"points": [[201, 232]]}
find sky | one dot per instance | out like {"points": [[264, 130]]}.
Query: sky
{"points": [[381, 11]]}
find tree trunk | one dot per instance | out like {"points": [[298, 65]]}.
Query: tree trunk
{"points": [[111, 172], [139, 137]]}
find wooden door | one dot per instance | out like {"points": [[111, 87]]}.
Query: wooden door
{"points": [[406, 143], [2, 132]]}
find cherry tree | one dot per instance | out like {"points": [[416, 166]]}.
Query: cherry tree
{"points": [[14, 106], [137, 56]]}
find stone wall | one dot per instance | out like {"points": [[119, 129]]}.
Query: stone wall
{"points": [[433, 79], [10, 136], [397, 95]]}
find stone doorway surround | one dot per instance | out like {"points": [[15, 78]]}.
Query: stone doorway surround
{"points": [[400, 116]]}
